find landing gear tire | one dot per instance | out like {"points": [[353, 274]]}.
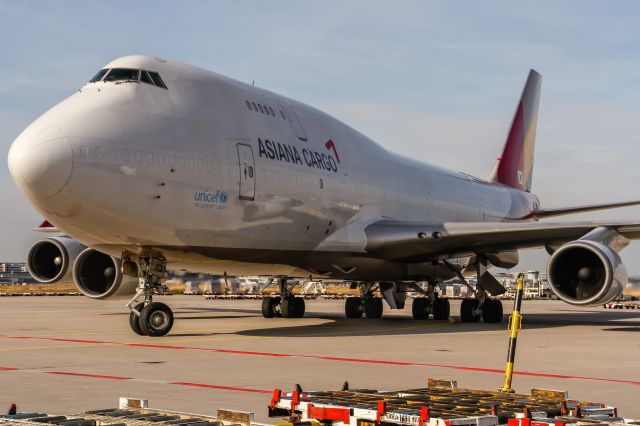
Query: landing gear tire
{"points": [[353, 307], [421, 308], [268, 305], [492, 311], [156, 319], [468, 310], [441, 309], [277, 302], [133, 320], [300, 307], [373, 307], [292, 307]]}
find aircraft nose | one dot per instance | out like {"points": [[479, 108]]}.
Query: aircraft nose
{"points": [[41, 164]]}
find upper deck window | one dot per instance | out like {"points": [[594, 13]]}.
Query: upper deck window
{"points": [[99, 75], [122, 74]]}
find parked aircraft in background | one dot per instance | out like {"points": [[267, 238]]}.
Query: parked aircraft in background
{"points": [[155, 164]]}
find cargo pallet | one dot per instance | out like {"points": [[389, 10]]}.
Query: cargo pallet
{"points": [[132, 412], [442, 403]]}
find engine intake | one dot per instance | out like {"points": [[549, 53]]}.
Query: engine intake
{"points": [[586, 273], [51, 260], [99, 276]]}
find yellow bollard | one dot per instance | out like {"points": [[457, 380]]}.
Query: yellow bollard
{"points": [[515, 325]]}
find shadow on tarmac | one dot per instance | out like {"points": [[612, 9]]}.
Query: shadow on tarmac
{"points": [[337, 325]]}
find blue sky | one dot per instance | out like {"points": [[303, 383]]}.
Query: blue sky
{"points": [[437, 80]]}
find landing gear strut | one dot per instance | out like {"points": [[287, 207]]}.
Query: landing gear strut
{"points": [[366, 303], [430, 305], [286, 305], [481, 305], [150, 318]]}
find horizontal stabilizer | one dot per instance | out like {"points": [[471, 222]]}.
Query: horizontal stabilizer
{"points": [[542, 213]]}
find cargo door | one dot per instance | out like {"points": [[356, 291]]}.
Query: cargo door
{"points": [[247, 172], [294, 121]]}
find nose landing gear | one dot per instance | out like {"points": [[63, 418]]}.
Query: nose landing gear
{"points": [[150, 318]]}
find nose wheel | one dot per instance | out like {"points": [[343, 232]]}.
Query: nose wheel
{"points": [[133, 319], [156, 319], [150, 318]]}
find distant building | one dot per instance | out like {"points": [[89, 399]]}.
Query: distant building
{"points": [[15, 273]]}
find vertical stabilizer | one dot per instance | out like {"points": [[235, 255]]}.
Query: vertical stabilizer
{"points": [[515, 166]]}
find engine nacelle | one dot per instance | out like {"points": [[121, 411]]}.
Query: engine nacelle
{"points": [[51, 260], [586, 273], [100, 276]]}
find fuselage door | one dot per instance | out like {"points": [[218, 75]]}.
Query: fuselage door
{"points": [[247, 172], [293, 119]]}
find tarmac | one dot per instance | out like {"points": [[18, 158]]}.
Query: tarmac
{"points": [[72, 354]]}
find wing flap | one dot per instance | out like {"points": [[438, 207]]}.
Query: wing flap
{"points": [[419, 242]]}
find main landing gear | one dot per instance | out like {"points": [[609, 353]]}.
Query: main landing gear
{"points": [[286, 305], [366, 304], [481, 305], [433, 305], [370, 306], [150, 318]]}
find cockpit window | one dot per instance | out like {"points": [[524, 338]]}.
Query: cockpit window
{"points": [[122, 74], [128, 75], [157, 80], [98, 75], [144, 77]]}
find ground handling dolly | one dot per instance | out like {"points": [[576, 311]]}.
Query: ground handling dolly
{"points": [[442, 403]]}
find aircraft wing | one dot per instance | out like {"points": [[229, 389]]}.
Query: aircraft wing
{"points": [[542, 213], [416, 242]]}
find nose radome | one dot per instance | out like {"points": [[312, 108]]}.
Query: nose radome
{"points": [[41, 164]]}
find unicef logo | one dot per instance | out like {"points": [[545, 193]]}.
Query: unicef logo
{"points": [[218, 197]]}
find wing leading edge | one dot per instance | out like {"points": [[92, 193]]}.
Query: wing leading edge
{"points": [[419, 242]]}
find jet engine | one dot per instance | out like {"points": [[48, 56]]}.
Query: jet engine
{"points": [[100, 276], [586, 273], [51, 260]]}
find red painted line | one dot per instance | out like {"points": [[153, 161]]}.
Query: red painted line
{"points": [[230, 388], [97, 342], [529, 373], [341, 359], [370, 361], [148, 345], [233, 351], [7, 369], [57, 339], [95, 376]]}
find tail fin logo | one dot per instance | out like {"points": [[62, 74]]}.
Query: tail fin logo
{"points": [[514, 167], [332, 147]]}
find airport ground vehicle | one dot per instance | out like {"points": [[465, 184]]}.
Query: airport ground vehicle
{"points": [[155, 164]]}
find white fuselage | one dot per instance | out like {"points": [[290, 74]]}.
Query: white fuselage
{"points": [[195, 172]]}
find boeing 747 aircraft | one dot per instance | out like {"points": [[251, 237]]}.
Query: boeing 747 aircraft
{"points": [[155, 164]]}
